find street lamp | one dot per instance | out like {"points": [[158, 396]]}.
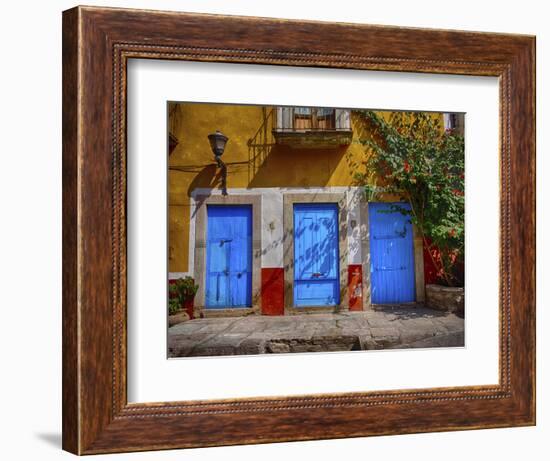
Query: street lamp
{"points": [[217, 143]]}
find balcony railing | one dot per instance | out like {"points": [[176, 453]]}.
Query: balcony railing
{"points": [[310, 127], [312, 119]]}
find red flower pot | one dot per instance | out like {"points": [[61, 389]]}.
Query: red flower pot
{"points": [[188, 306]]}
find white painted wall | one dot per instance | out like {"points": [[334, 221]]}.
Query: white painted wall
{"points": [[272, 220]]}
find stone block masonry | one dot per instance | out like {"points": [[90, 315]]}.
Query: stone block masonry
{"points": [[449, 299], [387, 328]]}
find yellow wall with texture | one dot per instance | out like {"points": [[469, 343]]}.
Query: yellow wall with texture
{"points": [[253, 160]]}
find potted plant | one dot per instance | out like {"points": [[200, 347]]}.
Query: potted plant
{"points": [[423, 165], [181, 296]]}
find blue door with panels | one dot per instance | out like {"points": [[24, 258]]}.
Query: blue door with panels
{"points": [[392, 254], [316, 268], [228, 256]]}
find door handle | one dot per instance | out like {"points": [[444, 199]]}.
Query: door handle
{"points": [[317, 274]]}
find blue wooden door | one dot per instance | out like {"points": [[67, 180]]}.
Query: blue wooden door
{"points": [[228, 256], [316, 280], [392, 254]]}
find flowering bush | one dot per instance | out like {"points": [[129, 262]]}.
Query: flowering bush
{"points": [[424, 165]]}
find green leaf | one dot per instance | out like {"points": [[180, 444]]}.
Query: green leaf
{"points": [[414, 158]]}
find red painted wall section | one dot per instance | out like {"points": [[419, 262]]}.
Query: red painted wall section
{"points": [[355, 287], [273, 291], [430, 271]]}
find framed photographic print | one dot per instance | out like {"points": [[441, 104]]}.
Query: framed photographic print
{"points": [[284, 230]]}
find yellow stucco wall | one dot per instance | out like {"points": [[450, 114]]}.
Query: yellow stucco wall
{"points": [[253, 160]]}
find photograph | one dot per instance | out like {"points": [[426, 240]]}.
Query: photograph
{"points": [[298, 229]]}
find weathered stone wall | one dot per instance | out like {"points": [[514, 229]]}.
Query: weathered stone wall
{"points": [[449, 299]]}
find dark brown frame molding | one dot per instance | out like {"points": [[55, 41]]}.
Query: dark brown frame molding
{"points": [[97, 43]]}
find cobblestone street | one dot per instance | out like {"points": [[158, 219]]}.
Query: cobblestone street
{"points": [[382, 328]]}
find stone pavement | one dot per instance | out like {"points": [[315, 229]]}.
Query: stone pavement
{"points": [[383, 328]]}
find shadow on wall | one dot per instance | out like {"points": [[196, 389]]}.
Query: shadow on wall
{"points": [[274, 165], [208, 177], [283, 166]]}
